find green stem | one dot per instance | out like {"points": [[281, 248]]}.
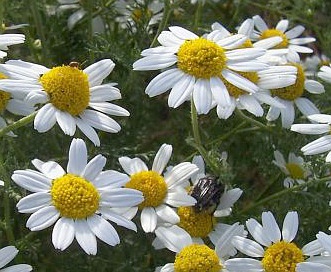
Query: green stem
{"points": [[40, 30], [283, 192], [251, 120], [164, 21], [269, 185], [197, 16], [197, 140], [20, 123]]}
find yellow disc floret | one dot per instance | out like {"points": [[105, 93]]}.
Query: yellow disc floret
{"points": [[74, 197], [197, 258], [196, 224], [201, 58], [234, 90], [152, 185], [295, 170], [294, 91], [67, 88], [282, 256], [4, 96], [273, 33]]}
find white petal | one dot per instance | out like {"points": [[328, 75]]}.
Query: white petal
{"points": [[181, 91], [154, 62], [239, 81], [178, 199], [7, 254], [270, 227], [148, 219], [244, 54], [219, 91], [159, 50], [182, 33], [121, 197], [167, 38], [287, 114], [304, 40], [244, 264], [180, 173], [66, 122], [45, 118], [276, 81], [109, 108], [162, 158], [226, 112], [50, 169], [85, 237], [88, 131], [290, 226], [105, 92], [43, 218], [306, 106], [311, 128], [174, 237], [320, 118], [31, 180], [295, 32], [282, 25], [63, 233], [309, 267], [273, 113], [100, 121], [118, 219], [229, 198], [34, 202], [257, 231], [318, 146], [251, 104], [103, 230], [259, 23], [248, 66], [232, 42], [167, 214], [94, 168], [75, 18], [248, 247], [98, 71], [300, 49], [325, 240], [110, 179], [77, 157], [314, 86], [202, 96], [163, 82]]}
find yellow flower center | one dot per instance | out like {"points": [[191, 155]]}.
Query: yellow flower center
{"points": [[201, 58], [247, 44], [273, 33], [74, 197], [282, 256], [295, 170], [139, 13], [294, 91], [196, 224], [197, 258], [234, 90], [67, 88], [152, 185], [4, 96]]}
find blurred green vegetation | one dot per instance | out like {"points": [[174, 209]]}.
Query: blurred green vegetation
{"points": [[250, 148]]}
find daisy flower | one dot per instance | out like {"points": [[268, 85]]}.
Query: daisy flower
{"points": [[314, 63], [325, 240], [161, 192], [13, 104], [293, 95], [275, 248], [294, 169], [193, 2], [132, 12], [290, 37], [68, 94], [9, 39], [202, 66], [6, 255], [78, 201], [195, 257], [322, 144]]}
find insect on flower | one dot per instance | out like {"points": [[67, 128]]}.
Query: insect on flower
{"points": [[207, 192]]}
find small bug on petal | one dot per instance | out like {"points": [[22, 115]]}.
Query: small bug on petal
{"points": [[207, 192]]}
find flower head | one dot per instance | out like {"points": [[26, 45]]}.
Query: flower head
{"points": [[275, 248], [6, 255], [161, 192], [289, 37], [80, 201], [203, 65], [294, 168], [72, 97], [293, 95]]}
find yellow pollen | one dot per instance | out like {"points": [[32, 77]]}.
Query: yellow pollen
{"points": [[201, 58], [282, 256], [273, 33], [67, 88], [294, 91], [197, 258], [4, 96], [74, 197], [152, 185], [295, 170], [234, 90], [196, 224], [247, 44]]}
